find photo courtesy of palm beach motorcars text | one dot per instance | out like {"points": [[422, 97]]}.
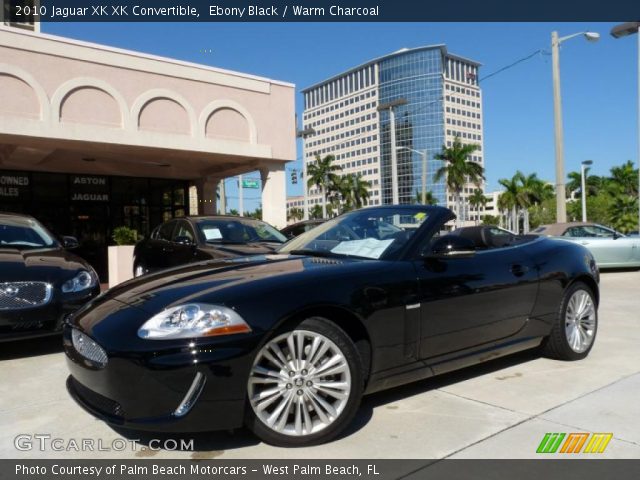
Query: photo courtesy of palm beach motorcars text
{"points": [[314, 239]]}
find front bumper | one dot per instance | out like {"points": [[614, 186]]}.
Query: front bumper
{"points": [[41, 321], [143, 390]]}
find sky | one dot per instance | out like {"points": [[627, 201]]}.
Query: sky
{"points": [[599, 80]]}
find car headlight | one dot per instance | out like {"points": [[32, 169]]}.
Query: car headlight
{"points": [[193, 320], [80, 282]]}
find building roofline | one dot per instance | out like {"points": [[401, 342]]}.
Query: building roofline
{"points": [[137, 54], [441, 46]]}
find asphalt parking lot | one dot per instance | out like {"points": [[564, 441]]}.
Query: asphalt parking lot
{"points": [[501, 409]]}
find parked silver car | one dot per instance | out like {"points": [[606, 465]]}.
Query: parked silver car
{"points": [[611, 249]]}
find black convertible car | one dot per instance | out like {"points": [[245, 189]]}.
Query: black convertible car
{"points": [[288, 343], [40, 281], [192, 239]]}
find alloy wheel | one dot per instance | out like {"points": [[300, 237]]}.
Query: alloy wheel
{"points": [[300, 383], [580, 321]]}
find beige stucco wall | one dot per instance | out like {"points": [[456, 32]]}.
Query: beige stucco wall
{"points": [[60, 96]]}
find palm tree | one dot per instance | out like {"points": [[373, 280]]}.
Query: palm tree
{"points": [[316, 212], [624, 179], [533, 191], [624, 214], [359, 190], [574, 185], [295, 214], [477, 200], [428, 197], [510, 199], [322, 174], [459, 170]]}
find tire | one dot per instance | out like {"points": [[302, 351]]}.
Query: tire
{"points": [[313, 415], [572, 336]]}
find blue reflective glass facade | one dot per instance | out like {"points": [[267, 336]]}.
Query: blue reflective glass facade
{"points": [[416, 76]]}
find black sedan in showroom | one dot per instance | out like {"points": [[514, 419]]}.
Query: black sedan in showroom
{"points": [[196, 238], [287, 343], [40, 281]]}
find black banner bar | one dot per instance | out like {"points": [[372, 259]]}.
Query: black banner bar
{"points": [[320, 469], [322, 10]]}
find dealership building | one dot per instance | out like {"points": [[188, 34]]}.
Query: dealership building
{"points": [[92, 137]]}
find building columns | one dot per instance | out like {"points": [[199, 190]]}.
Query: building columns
{"points": [[274, 201], [207, 188]]}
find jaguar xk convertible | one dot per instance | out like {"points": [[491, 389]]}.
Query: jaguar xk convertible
{"points": [[287, 343]]}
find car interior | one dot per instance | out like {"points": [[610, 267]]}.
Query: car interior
{"points": [[488, 237]]}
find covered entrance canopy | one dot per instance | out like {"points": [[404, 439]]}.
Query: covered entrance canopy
{"points": [[78, 108]]}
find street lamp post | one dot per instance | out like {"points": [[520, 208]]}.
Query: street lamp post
{"points": [[423, 154], [394, 154], [623, 30], [303, 134], [583, 171], [240, 196], [556, 41]]}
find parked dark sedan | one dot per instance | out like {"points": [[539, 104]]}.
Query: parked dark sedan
{"points": [[295, 229], [288, 343], [40, 281], [192, 239]]}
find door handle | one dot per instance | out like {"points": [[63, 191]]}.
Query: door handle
{"points": [[519, 270], [167, 249]]}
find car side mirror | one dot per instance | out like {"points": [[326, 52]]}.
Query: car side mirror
{"points": [[70, 243], [450, 246], [183, 240]]}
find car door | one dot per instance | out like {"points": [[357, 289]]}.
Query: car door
{"points": [[467, 302], [607, 246], [156, 257], [182, 248]]}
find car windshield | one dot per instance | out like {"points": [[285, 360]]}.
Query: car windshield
{"points": [[372, 233], [225, 230], [16, 232]]}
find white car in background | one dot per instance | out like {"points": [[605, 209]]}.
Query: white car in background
{"points": [[611, 249]]}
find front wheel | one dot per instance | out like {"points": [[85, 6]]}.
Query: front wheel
{"points": [[574, 331], [305, 385]]}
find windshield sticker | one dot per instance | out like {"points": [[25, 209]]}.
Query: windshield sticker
{"points": [[212, 233], [368, 248]]}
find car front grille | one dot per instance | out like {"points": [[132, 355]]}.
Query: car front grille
{"points": [[21, 295], [97, 402]]}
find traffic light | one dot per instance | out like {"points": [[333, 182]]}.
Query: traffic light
{"points": [[294, 177]]}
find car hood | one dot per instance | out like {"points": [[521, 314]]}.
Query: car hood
{"points": [[224, 281], [49, 265], [243, 249]]}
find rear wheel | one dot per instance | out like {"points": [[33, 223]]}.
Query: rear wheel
{"points": [[574, 331], [305, 385]]}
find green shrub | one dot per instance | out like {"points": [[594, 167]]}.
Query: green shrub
{"points": [[125, 236]]}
